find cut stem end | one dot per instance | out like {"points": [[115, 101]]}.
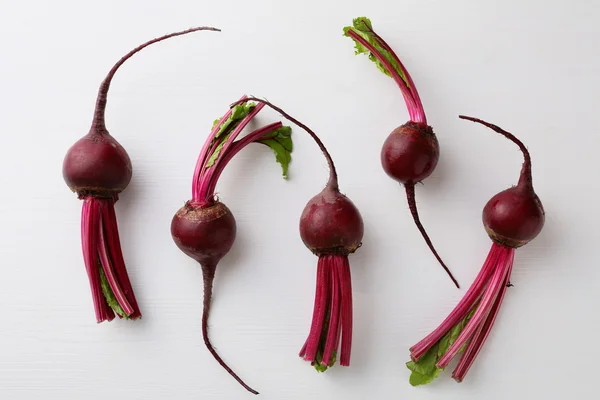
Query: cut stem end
{"points": [[332, 315]]}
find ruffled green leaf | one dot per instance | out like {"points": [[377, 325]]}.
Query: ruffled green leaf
{"points": [[424, 370], [238, 113], [110, 297], [280, 141], [363, 27]]}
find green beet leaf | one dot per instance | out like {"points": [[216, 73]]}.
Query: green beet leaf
{"points": [[110, 296], [319, 359], [424, 370], [280, 141], [363, 27], [238, 113]]}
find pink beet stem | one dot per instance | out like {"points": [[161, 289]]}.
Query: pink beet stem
{"points": [[416, 112], [320, 309], [235, 148], [479, 339], [338, 334], [199, 169], [481, 313], [411, 84], [110, 272], [249, 138], [461, 310], [89, 254], [302, 352], [237, 130], [116, 255], [206, 179], [204, 153], [90, 217], [332, 341], [346, 290]]}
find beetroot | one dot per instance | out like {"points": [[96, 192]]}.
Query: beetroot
{"points": [[331, 227], [511, 218], [331, 223], [204, 228], [205, 234], [411, 152], [98, 168], [97, 164]]}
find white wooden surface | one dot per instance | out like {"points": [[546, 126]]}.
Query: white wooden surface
{"points": [[531, 67]]}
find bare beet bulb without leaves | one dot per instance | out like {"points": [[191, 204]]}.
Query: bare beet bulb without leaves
{"points": [[204, 228], [511, 218], [411, 152], [98, 168], [331, 227]]}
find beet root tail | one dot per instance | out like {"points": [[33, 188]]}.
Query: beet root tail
{"points": [[208, 275], [412, 204]]}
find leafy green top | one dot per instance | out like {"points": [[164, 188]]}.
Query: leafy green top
{"points": [[110, 297], [424, 370], [238, 113], [319, 359], [318, 363], [362, 27], [280, 141]]}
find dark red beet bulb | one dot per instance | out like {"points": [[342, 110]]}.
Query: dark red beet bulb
{"points": [[331, 227], [331, 224], [97, 164], [206, 233], [514, 216], [511, 218], [98, 168], [411, 152]]}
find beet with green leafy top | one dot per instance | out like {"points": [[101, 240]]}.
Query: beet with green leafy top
{"points": [[411, 152], [205, 228]]}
